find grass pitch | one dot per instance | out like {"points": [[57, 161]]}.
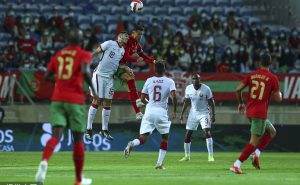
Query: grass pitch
{"points": [[110, 168]]}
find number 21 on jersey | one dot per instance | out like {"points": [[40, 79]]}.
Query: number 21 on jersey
{"points": [[65, 68], [257, 85]]}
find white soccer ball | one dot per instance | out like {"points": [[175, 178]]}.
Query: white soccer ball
{"points": [[136, 6]]}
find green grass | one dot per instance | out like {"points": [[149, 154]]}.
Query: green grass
{"points": [[110, 168]]}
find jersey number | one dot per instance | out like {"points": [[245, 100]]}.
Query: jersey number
{"points": [[157, 93], [65, 67], [255, 87]]}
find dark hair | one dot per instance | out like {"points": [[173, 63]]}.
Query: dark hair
{"points": [[75, 36], [123, 32], [160, 68], [265, 59], [138, 27]]}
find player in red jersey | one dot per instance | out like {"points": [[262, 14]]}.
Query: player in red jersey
{"points": [[262, 85], [133, 49], [68, 68]]}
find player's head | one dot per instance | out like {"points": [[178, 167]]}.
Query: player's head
{"points": [[123, 37], [138, 32], [265, 59], [196, 79], [160, 68], [75, 36]]}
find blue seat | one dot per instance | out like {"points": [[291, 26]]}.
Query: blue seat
{"points": [[175, 11], [209, 2], [237, 2], [189, 10], [104, 10], [112, 2], [96, 19], [172, 19], [243, 11], [181, 3], [167, 2], [111, 28], [195, 2], [230, 9], [219, 10], [152, 3], [118, 10], [223, 2], [148, 10], [111, 19], [84, 19], [161, 11]]}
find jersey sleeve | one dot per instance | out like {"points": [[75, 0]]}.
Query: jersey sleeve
{"points": [[50, 66], [186, 95], [276, 84], [209, 93], [105, 45], [86, 57], [172, 85], [145, 89], [245, 80]]}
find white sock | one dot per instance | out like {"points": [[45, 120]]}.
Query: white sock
{"points": [[136, 142], [257, 152], [209, 144], [91, 117], [161, 156], [187, 149], [105, 118], [237, 163]]}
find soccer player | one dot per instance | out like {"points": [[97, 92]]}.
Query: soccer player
{"points": [[262, 85], [68, 67], [112, 54], [158, 88], [133, 49], [202, 112]]}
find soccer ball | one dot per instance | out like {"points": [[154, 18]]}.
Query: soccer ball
{"points": [[136, 6]]}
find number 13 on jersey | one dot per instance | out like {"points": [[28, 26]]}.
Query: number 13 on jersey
{"points": [[65, 68]]}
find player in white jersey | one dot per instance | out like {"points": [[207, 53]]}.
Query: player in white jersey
{"points": [[202, 112], [112, 53], [158, 89]]}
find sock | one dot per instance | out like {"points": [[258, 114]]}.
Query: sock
{"points": [[209, 144], [133, 95], [257, 152], [136, 142], [91, 115], [248, 150], [237, 163], [187, 149], [105, 117], [162, 152], [78, 158], [264, 142], [49, 148]]}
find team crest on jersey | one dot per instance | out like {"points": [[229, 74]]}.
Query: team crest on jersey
{"points": [[112, 54]]}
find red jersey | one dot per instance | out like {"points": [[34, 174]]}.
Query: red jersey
{"points": [[261, 85], [27, 45], [133, 47], [66, 65]]}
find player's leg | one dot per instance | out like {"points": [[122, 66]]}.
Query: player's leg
{"points": [[133, 95], [93, 108], [187, 145], [257, 130], [136, 142], [265, 140], [191, 125], [58, 120], [76, 118], [162, 151], [105, 119], [206, 127]]}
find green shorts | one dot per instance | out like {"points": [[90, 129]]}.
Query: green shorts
{"points": [[69, 115], [258, 126]]}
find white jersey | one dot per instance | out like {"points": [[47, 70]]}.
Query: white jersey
{"points": [[199, 98], [158, 90], [109, 59]]}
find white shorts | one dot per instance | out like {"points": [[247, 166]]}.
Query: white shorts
{"points": [[155, 119], [195, 118], [104, 86]]}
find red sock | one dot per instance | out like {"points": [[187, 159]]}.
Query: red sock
{"points": [[264, 142], [133, 94], [248, 150], [49, 148], [164, 145], [78, 157]]}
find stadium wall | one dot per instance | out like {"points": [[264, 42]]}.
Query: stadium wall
{"points": [[33, 137]]}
